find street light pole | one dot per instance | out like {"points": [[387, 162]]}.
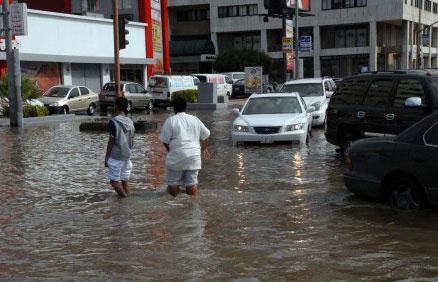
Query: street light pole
{"points": [[14, 75], [116, 46], [297, 44]]}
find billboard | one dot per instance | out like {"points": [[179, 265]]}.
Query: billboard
{"points": [[302, 4]]}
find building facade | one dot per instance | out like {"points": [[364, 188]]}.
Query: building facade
{"points": [[71, 42], [347, 36]]}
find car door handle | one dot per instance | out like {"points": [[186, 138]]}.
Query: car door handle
{"points": [[360, 114], [390, 116]]}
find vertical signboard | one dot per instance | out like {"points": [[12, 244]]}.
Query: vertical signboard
{"points": [[290, 34], [157, 36], [253, 79]]}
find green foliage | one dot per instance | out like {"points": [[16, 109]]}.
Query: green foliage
{"points": [[30, 111], [191, 96], [29, 90], [238, 59]]}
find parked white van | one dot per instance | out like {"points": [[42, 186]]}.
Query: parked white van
{"points": [[224, 85], [161, 86]]}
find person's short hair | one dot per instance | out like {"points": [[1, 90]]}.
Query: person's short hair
{"points": [[122, 104], [179, 104]]}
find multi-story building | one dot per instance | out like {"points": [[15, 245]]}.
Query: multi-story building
{"points": [[347, 35]]}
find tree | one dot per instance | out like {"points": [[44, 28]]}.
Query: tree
{"points": [[28, 88], [238, 59]]}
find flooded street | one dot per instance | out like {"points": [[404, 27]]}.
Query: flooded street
{"points": [[264, 213]]}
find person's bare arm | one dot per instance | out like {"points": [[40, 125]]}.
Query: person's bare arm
{"points": [[109, 148], [204, 149]]}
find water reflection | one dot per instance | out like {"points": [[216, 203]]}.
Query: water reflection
{"points": [[265, 213]]}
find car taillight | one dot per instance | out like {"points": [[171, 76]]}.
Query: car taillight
{"points": [[349, 162], [123, 94]]}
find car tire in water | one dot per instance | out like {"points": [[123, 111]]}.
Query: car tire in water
{"points": [[91, 109], [129, 109], [405, 193], [150, 105], [64, 110]]}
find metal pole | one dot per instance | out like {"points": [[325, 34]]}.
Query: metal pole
{"points": [[420, 63], [116, 46], [283, 31], [14, 75], [297, 44]]}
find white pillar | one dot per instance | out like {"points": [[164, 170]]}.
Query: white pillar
{"points": [[404, 63], [67, 78]]}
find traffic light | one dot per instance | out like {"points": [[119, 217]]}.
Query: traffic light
{"points": [[274, 6], [123, 32]]}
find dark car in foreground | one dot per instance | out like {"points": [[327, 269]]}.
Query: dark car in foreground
{"points": [[399, 171]]}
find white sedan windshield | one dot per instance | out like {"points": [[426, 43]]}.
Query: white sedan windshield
{"points": [[272, 105], [305, 89]]}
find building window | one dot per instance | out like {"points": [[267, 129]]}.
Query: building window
{"points": [[125, 4], [193, 15], [435, 8], [237, 11], [341, 4], [428, 5], [247, 40]]}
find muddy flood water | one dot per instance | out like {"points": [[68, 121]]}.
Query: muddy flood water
{"points": [[264, 213]]}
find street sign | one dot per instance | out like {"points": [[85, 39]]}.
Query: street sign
{"points": [[287, 45], [18, 18], [426, 39], [305, 43]]}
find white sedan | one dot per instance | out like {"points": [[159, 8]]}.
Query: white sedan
{"points": [[274, 117]]}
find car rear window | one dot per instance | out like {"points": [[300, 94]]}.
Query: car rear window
{"points": [[110, 87], [350, 91]]}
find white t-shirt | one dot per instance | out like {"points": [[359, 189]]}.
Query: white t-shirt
{"points": [[183, 133]]}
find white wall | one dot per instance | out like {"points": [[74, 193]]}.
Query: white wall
{"points": [[78, 39]]}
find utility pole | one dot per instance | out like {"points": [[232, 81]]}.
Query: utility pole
{"points": [[116, 46], [14, 74], [297, 44]]}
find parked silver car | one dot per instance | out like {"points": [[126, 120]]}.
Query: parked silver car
{"points": [[64, 99], [135, 93]]}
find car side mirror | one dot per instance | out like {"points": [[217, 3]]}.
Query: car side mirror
{"points": [[236, 112], [310, 109], [413, 102], [328, 94]]}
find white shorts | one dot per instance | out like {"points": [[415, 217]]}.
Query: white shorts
{"points": [[119, 170], [182, 177]]}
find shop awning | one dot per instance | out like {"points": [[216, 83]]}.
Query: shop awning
{"points": [[191, 47]]}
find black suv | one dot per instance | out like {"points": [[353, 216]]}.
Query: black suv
{"points": [[378, 104]]}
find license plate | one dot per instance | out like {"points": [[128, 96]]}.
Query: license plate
{"points": [[109, 98], [157, 94], [266, 139]]}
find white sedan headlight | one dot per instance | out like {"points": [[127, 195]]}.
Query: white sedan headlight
{"points": [[317, 106], [294, 127], [55, 104], [240, 128]]}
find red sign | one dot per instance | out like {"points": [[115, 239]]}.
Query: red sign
{"points": [[302, 4]]}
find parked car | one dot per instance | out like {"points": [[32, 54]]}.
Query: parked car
{"points": [[234, 76], [275, 117], [163, 86], [268, 88], [315, 92], [376, 104], [238, 89], [400, 170], [135, 93], [66, 99]]}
